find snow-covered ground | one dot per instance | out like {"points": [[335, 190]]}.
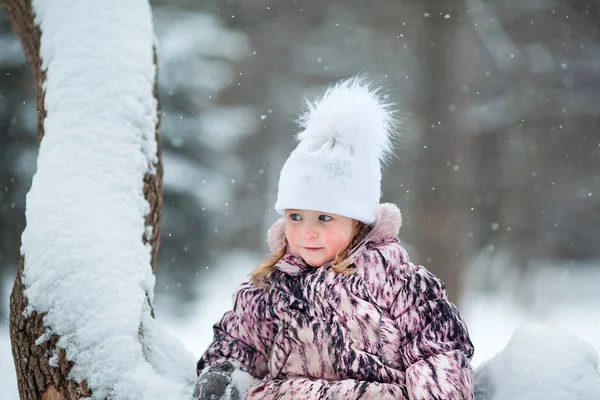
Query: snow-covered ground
{"points": [[568, 301]]}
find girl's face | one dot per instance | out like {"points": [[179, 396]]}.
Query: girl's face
{"points": [[318, 237]]}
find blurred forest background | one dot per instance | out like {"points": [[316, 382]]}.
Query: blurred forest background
{"points": [[497, 169]]}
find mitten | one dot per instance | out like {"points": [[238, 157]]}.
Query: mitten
{"points": [[213, 384]]}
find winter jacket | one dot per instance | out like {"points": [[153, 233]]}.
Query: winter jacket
{"points": [[388, 331]]}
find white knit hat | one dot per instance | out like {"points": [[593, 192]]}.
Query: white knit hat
{"points": [[336, 167]]}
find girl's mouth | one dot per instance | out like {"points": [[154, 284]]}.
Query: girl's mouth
{"points": [[312, 248]]}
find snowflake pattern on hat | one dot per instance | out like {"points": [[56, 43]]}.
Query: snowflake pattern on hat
{"points": [[338, 171], [306, 161]]}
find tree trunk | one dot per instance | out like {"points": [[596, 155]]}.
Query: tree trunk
{"points": [[36, 377], [444, 169]]}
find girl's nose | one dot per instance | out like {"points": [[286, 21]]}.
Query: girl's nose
{"points": [[309, 233]]}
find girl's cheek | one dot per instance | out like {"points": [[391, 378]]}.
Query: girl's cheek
{"points": [[291, 234], [337, 241]]}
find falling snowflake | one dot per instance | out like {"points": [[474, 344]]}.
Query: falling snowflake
{"points": [[338, 171]]}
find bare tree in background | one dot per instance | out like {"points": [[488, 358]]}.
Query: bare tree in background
{"points": [[535, 76], [36, 377], [443, 171], [17, 143]]}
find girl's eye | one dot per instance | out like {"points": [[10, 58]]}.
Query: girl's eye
{"points": [[295, 217], [325, 218]]}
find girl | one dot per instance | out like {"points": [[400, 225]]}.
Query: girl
{"points": [[339, 312]]}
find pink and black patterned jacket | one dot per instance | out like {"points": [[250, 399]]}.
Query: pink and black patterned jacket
{"points": [[387, 331]]}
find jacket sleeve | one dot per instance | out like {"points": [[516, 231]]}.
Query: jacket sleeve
{"points": [[436, 348], [243, 334]]}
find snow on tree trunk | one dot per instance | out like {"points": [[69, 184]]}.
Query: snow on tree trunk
{"points": [[81, 317]]}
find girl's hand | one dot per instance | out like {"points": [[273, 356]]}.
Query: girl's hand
{"points": [[213, 384]]}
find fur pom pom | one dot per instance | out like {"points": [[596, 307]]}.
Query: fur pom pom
{"points": [[353, 113]]}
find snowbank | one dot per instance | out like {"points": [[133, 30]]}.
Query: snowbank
{"points": [[540, 362]]}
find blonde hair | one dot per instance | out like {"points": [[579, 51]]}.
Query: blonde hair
{"points": [[340, 263]]}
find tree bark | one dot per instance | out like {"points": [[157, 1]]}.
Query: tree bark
{"points": [[37, 378]]}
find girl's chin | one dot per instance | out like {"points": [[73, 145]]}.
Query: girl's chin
{"points": [[313, 258], [314, 262], [317, 265]]}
